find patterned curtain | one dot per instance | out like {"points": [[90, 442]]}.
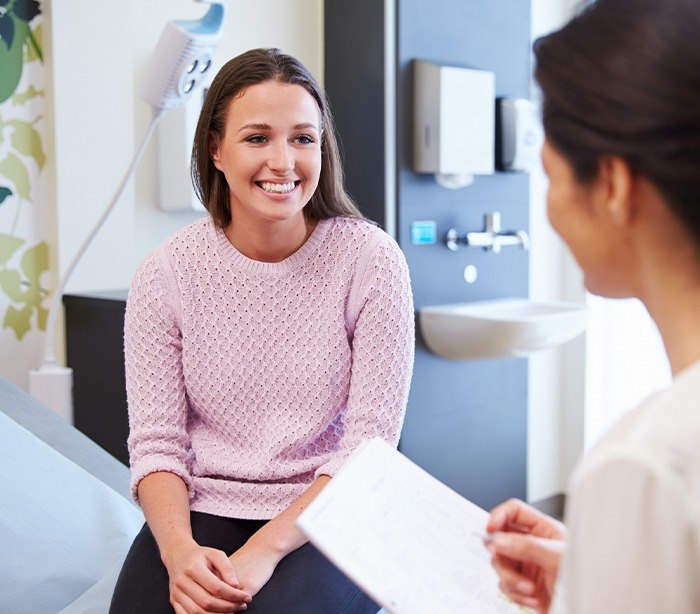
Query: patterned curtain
{"points": [[24, 197]]}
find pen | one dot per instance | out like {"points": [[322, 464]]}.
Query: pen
{"points": [[555, 545], [487, 538]]}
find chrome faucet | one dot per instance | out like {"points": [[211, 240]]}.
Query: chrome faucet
{"points": [[491, 238]]}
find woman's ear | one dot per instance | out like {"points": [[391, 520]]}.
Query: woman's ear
{"points": [[213, 145], [617, 183]]}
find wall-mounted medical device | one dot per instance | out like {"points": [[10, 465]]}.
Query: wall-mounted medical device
{"points": [[182, 58], [453, 122], [176, 78], [520, 134]]}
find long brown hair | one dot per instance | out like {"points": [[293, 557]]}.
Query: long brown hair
{"points": [[623, 78], [257, 66]]}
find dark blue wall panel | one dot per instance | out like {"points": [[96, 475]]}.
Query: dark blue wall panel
{"points": [[467, 420]]}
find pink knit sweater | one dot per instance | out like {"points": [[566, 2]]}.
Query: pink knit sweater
{"points": [[249, 379]]}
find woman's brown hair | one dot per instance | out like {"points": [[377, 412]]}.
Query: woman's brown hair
{"points": [[257, 66], [623, 79]]}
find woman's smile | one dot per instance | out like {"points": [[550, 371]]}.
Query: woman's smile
{"points": [[276, 188]]}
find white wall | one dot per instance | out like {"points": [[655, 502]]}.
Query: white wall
{"points": [[625, 362], [94, 138], [557, 377]]}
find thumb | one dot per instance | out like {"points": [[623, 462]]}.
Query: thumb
{"points": [[543, 552], [223, 567]]}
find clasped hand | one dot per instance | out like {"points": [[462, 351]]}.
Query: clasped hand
{"points": [[206, 580], [526, 552]]}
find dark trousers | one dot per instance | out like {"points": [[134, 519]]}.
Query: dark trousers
{"points": [[304, 582]]}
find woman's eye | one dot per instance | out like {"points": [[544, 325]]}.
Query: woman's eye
{"points": [[256, 138], [305, 139]]}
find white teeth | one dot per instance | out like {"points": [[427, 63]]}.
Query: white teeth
{"points": [[277, 188]]}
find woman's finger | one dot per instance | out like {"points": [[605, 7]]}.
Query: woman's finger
{"points": [[178, 608], [515, 515], [527, 549], [221, 580], [510, 575], [223, 567], [189, 592], [182, 603]]}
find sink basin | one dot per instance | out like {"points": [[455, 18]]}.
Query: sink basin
{"points": [[500, 328]]}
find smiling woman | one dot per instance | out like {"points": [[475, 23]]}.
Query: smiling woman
{"points": [[270, 154], [262, 346]]}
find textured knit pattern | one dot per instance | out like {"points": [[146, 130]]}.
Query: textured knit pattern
{"points": [[249, 379]]}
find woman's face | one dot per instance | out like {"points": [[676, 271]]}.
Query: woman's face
{"points": [[270, 153], [579, 213]]}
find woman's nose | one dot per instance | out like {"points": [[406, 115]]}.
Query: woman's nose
{"points": [[281, 158]]}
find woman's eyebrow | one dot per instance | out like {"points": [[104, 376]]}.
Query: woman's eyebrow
{"points": [[267, 127], [255, 127], [305, 126]]}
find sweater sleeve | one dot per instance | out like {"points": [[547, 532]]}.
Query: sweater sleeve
{"points": [[382, 351], [158, 439]]}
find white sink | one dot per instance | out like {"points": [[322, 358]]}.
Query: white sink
{"points": [[500, 328]]}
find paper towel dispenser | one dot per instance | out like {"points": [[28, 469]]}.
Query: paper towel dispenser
{"points": [[453, 122]]}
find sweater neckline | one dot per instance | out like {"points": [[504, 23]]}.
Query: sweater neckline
{"points": [[230, 254]]}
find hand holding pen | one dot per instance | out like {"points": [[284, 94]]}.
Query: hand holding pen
{"points": [[526, 547]]}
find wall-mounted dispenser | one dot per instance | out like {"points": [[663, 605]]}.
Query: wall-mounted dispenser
{"points": [[520, 134], [453, 122]]}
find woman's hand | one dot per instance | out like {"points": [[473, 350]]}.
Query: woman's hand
{"points": [[203, 579], [254, 565], [526, 551]]}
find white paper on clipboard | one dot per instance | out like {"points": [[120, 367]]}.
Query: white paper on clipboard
{"points": [[404, 537]]}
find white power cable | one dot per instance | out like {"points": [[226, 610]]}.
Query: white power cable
{"points": [[49, 361]]}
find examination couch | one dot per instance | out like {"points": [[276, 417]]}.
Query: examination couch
{"points": [[66, 517]]}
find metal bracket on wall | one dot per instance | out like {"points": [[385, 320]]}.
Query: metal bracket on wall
{"points": [[492, 238]]}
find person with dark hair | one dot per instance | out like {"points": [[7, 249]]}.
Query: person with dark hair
{"points": [[621, 112], [263, 344]]}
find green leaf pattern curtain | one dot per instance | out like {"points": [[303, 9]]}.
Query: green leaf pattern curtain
{"points": [[24, 202]]}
